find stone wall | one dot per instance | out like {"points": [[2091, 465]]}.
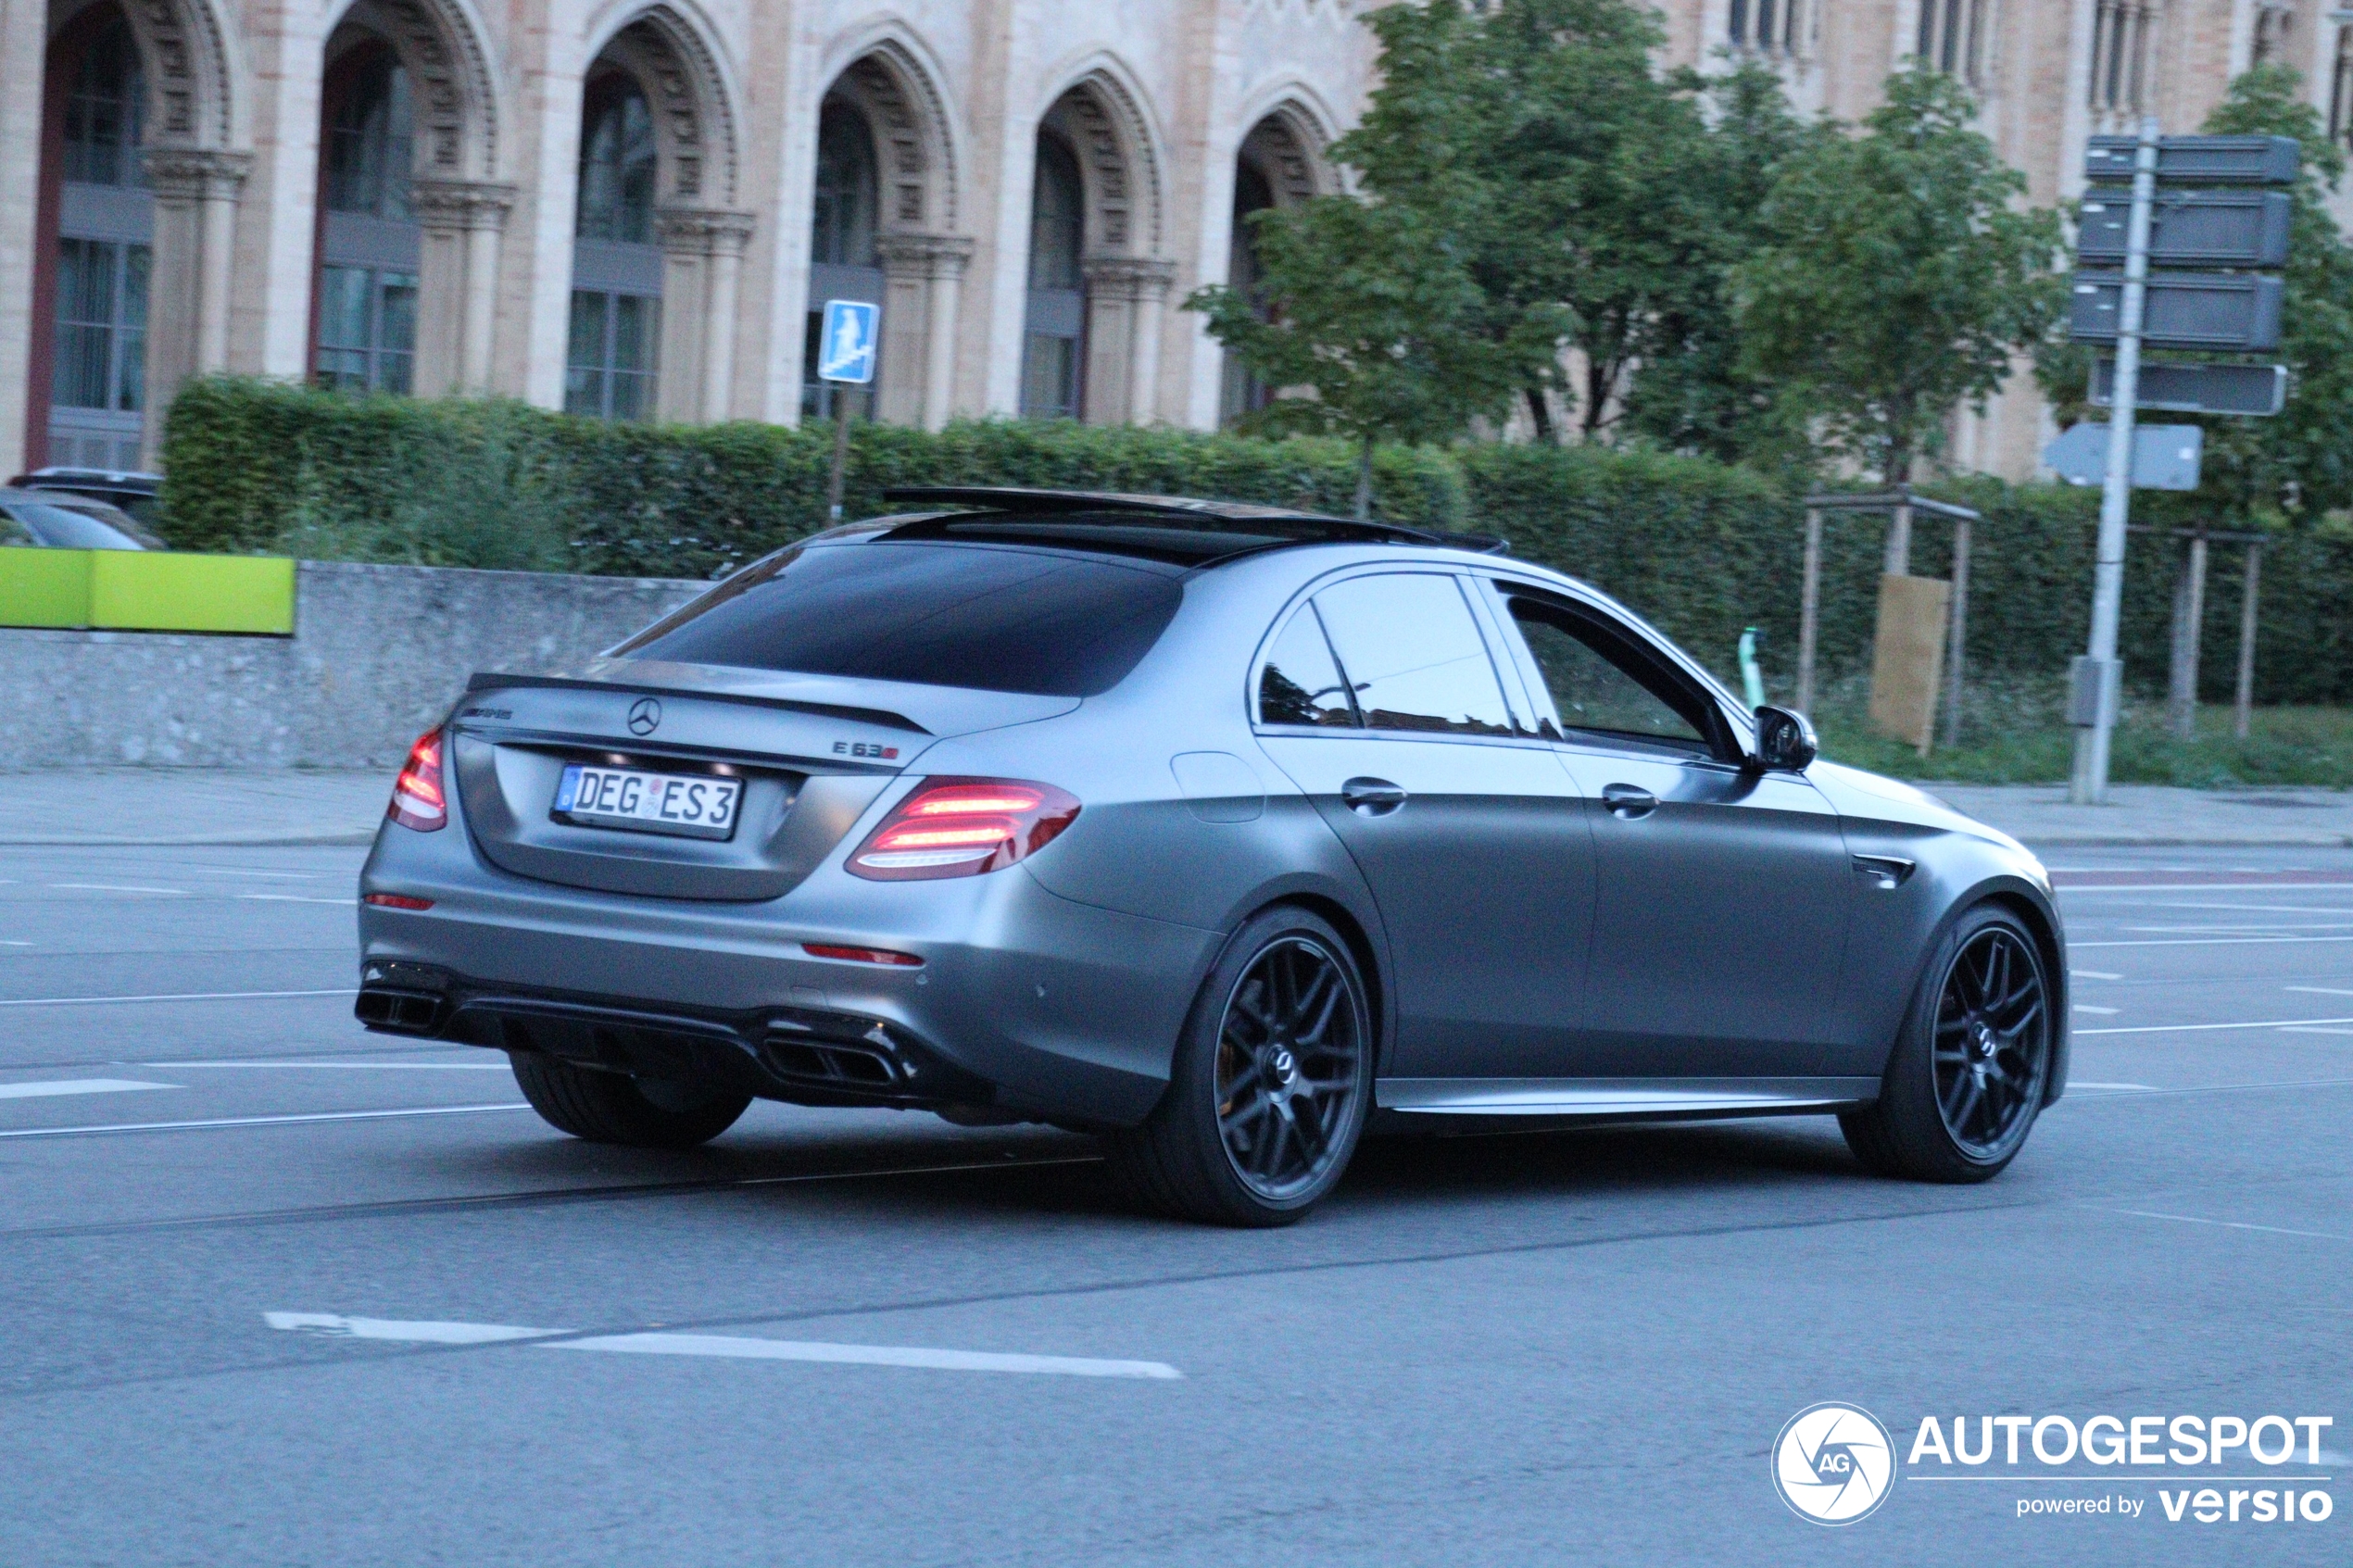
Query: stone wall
{"points": [[377, 655]]}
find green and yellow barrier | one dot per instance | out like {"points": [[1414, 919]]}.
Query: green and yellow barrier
{"points": [[146, 591]]}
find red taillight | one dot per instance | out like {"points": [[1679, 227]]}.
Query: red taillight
{"points": [[397, 901], [961, 827], [861, 955], [416, 794]]}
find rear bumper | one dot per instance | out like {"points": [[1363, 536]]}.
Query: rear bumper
{"points": [[1026, 1003]]}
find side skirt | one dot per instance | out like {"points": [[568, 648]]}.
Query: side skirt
{"points": [[1618, 1099]]}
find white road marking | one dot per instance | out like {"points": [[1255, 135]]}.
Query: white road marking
{"points": [[2084, 1084], [2188, 1028], [2093, 975], [2086, 1007], [2214, 888], [14, 944], [2322, 990], [77, 1087], [2238, 930], [291, 899], [176, 997], [2257, 909], [328, 1325], [2307, 1029], [116, 887], [351, 1066], [272, 876], [2203, 942], [2231, 1224], [222, 1121], [729, 1347]]}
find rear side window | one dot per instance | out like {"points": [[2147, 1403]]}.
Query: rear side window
{"points": [[1300, 684], [63, 530], [1409, 648], [938, 615]]}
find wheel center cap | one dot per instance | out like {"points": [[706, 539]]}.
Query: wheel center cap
{"points": [[1982, 1039], [1281, 1065]]}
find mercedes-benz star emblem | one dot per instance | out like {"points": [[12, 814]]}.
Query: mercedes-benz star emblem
{"points": [[645, 716]]}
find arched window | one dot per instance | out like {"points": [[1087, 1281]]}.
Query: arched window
{"points": [[1050, 382], [97, 278], [616, 268], [616, 163], [107, 110], [1953, 38], [845, 216], [2124, 40], [368, 236], [1241, 393], [1771, 28]]}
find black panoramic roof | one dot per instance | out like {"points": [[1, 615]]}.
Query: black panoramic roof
{"points": [[1177, 530]]}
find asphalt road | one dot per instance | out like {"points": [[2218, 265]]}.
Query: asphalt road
{"points": [[873, 1338]]}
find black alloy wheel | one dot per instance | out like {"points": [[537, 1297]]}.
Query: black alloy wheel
{"points": [[1992, 1043], [1288, 1068], [1270, 1085], [1967, 1078]]}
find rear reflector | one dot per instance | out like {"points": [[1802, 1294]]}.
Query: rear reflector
{"points": [[397, 901], [861, 955], [961, 827], [416, 794]]}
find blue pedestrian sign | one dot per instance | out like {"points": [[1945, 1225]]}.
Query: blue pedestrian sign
{"points": [[846, 351]]}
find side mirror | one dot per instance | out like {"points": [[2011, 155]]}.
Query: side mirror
{"points": [[1785, 742]]}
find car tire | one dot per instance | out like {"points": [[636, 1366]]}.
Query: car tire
{"points": [[1969, 1070], [614, 1108], [1270, 1086]]}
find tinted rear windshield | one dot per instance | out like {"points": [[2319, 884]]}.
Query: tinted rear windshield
{"points": [[941, 615]]}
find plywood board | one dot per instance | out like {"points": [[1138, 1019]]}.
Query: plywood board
{"points": [[1908, 657]]}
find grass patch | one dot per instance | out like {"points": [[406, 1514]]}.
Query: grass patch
{"points": [[2016, 734]]}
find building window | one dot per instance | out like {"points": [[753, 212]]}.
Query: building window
{"points": [[616, 163], [106, 111], [368, 140], [609, 371], [2341, 92], [1050, 372], [1953, 37], [368, 243], [616, 269], [1240, 392], [1767, 27], [367, 328], [2124, 36], [2274, 27], [843, 263], [102, 326]]}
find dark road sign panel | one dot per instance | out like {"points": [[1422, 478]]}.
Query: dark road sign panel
{"points": [[2242, 228], [2239, 312], [2164, 457], [2200, 160], [2198, 389]]}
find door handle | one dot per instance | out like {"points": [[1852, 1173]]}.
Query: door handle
{"points": [[1628, 802], [1372, 798]]}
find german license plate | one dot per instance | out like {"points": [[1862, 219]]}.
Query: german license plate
{"points": [[689, 805]]}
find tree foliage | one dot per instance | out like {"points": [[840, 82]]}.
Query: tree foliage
{"points": [[1899, 278]]}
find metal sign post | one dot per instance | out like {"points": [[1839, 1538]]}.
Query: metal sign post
{"points": [[846, 348], [2241, 226], [2095, 677]]}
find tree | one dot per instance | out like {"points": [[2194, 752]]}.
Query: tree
{"points": [[1687, 391], [1376, 330], [1898, 277]]}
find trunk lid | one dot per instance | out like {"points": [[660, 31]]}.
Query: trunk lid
{"points": [[812, 752]]}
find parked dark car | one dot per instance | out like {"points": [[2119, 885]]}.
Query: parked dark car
{"points": [[65, 522], [137, 494], [1211, 828]]}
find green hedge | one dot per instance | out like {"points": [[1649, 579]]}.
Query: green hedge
{"points": [[1700, 548]]}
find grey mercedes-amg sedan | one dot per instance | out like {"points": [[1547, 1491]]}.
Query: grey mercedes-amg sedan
{"points": [[1216, 830]]}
